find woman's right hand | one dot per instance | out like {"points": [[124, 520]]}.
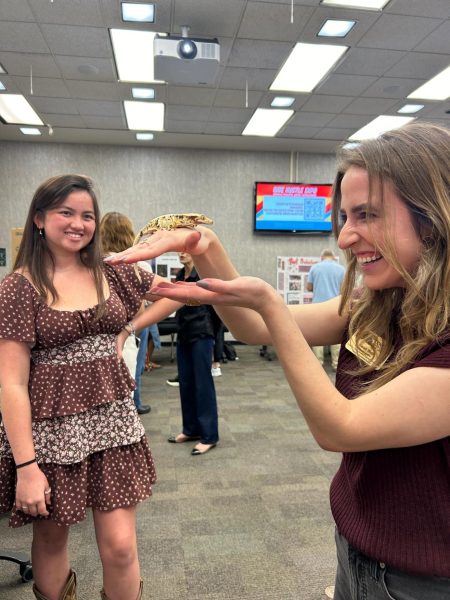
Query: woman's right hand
{"points": [[31, 486], [193, 241]]}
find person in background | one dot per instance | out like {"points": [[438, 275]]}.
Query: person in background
{"points": [[195, 342], [70, 436], [388, 412], [218, 348], [116, 232], [153, 343], [324, 281]]}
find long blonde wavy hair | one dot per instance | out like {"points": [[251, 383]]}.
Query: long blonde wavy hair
{"points": [[415, 159]]}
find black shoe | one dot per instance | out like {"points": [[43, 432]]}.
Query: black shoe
{"points": [[173, 382], [144, 409]]}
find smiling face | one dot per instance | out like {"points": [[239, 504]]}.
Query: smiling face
{"points": [[70, 226], [367, 227]]}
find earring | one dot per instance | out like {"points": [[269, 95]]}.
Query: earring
{"points": [[42, 233]]}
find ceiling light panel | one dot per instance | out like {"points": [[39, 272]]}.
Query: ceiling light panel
{"points": [[30, 131], [409, 109], [363, 4], [267, 122], [2, 86], [144, 115], [2, 69], [438, 88], [140, 13], [143, 93], [378, 126], [144, 137], [133, 54], [16, 110], [282, 101], [306, 66], [336, 28]]}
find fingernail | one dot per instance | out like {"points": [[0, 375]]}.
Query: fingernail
{"points": [[203, 284]]}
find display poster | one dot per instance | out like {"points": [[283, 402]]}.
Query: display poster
{"points": [[16, 238], [292, 277], [167, 266]]}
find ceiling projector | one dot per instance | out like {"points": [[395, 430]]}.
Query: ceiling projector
{"points": [[186, 60]]}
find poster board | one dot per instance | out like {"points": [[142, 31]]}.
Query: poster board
{"points": [[292, 277], [16, 238]]}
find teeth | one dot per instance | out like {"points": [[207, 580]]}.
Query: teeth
{"points": [[367, 259]]}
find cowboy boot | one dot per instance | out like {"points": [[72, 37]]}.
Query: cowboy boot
{"points": [[68, 593], [139, 596]]}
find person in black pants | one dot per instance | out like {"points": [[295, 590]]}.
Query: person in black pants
{"points": [[195, 343]]}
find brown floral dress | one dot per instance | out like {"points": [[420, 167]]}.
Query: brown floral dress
{"points": [[88, 437]]}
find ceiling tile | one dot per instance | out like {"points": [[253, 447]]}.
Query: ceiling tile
{"points": [[368, 61], [224, 128], [76, 67], [257, 79], [329, 104], [343, 85], [98, 90], [259, 53], [178, 126], [392, 87], [369, 106], [310, 119], [299, 132], [348, 122], [57, 106], [419, 65], [237, 98], [437, 41], [100, 108], [329, 133], [82, 12], [78, 41], [105, 122], [398, 32], [425, 8], [190, 96], [208, 18], [22, 37], [187, 113], [63, 120], [269, 21], [19, 63], [230, 115], [18, 10], [56, 88]]}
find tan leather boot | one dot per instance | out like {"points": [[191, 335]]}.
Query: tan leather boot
{"points": [[139, 596], [69, 592]]}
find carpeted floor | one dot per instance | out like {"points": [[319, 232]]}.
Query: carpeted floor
{"points": [[250, 520]]}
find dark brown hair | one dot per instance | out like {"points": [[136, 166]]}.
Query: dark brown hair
{"points": [[34, 255]]}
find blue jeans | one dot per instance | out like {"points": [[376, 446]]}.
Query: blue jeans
{"points": [[197, 391], [359, 577], [140, 365]]}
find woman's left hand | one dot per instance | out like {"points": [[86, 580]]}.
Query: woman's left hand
{"points": [[249, 292]]}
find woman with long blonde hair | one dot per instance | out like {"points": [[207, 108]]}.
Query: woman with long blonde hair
{"points": [[389, 412]]}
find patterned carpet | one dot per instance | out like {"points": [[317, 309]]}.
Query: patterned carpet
{"points": [[250, 520]]}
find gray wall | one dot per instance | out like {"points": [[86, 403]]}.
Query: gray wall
{"points": [[146, 182]]}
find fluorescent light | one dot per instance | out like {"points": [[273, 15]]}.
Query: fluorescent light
{"points": [[267, 122], [378, 126], [335, 28], [306, 65], [142, 13], [15, 109], [410, 108], [133, 53], [2, 69], [144, 115], [143, 93], [2, 86], [369, 4], [144, 136], [30, 131], [282, 101], [438, 88]]}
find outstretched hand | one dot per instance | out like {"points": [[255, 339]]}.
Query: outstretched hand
{"points": [[249, 292], [177, 240]]}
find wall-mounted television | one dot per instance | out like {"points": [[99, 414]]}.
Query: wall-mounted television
{"points": [[292, 208]]}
